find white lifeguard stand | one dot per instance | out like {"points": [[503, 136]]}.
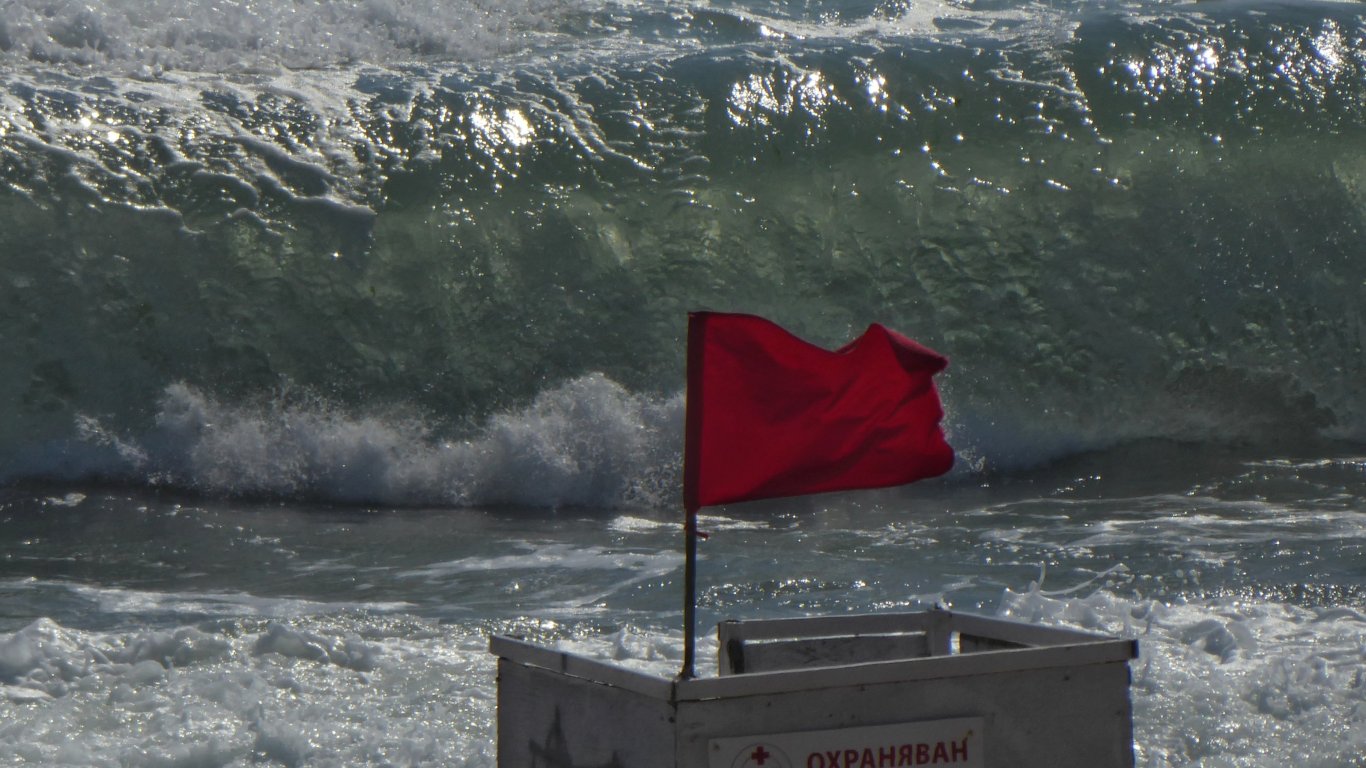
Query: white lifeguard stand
{"points": [[870, 691]]}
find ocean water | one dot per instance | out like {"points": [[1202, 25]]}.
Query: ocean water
{"points": [[338, 335]]}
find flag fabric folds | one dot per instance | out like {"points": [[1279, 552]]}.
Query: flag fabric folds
{"points": [[771, 415]]}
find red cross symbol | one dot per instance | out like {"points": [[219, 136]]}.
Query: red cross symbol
{"points": [[760, 755]]}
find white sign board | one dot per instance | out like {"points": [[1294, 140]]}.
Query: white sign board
{"points": [[956, 742]]}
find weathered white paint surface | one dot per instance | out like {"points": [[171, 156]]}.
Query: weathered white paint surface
{"points": [[1043, 697]]}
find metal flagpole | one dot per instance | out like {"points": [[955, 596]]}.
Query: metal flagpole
{"points": [[689, 598], [692, 447]]}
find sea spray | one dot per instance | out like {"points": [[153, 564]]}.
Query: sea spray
{"points": [[587, 443]]}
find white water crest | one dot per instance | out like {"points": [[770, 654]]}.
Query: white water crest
{"points": [[586, 443]]}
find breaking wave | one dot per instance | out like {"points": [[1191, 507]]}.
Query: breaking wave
{"points": [[371, 258]]}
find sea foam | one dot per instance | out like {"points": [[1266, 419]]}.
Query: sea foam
{"points": [[1213, 680]]}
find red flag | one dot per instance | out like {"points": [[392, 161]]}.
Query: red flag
{"points": [[771, 415]]}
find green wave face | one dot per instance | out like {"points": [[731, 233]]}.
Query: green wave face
{"points": [[1120, 222]]}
